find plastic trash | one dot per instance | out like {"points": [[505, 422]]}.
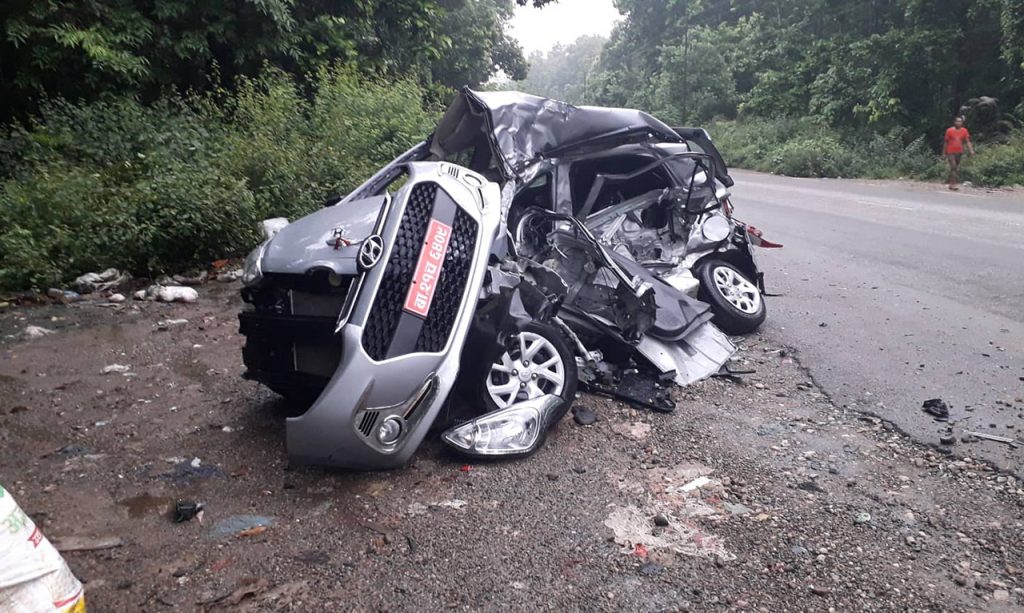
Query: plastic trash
{"points": [[98, 281], [36, 332], [191, 278], [272, 226], [185, 510], [33, 575], [230, 275], [177, 293], [65, 296]]}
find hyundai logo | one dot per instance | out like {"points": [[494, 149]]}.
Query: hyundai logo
{"points": [[370, 251]]}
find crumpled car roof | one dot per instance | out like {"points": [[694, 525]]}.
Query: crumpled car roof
{"points": [[521, 128]]}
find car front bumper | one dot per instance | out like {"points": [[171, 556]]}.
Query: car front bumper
{"points": [[396, 367]]}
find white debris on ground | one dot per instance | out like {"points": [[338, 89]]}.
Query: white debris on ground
{"points": [[678, 498], [99, 281], [191, 278], [632, 527], [177, 294], [416, 508], [637, 431], [33, 332], [169, 293], [164, 324], [229, 275], [111, 369]]}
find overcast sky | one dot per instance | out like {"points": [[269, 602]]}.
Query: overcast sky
{"points": [[562, 22]]}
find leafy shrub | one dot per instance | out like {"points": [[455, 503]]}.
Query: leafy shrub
{"points": [[799, 148], [815, 156], [996, 164], [176, 184]]}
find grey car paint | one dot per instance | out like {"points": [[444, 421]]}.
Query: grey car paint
{"points": [[327, 433], [310, 242], [521, 128], [511, 138]]}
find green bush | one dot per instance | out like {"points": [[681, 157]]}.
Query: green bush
{"points": [[815, 156], [802, 149], [165, 187], [996, 164]]}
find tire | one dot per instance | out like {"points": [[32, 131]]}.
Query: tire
{"points": [[735, 300], [499, 387]]}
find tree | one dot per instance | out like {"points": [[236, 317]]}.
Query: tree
{"points": [[849, 64], [562, 72], [89, 48]]}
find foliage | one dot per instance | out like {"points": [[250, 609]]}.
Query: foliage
{"points": [[1001, 164], [562, 72], [87, 49], [846, 64], [801, 148], [162, 187], [695, 80]]}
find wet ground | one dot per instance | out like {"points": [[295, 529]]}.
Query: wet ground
{"points": [[770, 497]]}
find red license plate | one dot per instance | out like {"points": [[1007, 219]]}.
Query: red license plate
{"points": [[428, 269]]}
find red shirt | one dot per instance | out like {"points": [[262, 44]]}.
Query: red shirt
{"points": [[955, 138]]}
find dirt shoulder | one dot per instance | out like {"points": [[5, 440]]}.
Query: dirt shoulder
{"points": [[797, 505], [909, 185]]}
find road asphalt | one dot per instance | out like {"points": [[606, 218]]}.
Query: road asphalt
{"points": [[898, 292]]}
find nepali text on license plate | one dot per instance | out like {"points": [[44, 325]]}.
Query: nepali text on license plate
{"points": [[428, 269]]}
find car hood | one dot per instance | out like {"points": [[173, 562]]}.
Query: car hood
{"points": [[312, 242], [521, 128]]}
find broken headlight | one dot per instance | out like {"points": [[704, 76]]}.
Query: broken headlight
{"points": [[252, 273], [716, 229], [515, 430]]}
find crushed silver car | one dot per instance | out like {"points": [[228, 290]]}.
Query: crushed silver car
{"points": [[526, 249]]}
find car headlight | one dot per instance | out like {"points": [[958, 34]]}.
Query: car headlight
{"points": [[716, 229], [252, 273], [516, 430]]}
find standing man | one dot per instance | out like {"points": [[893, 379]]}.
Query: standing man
{"points": [[954, 149]]}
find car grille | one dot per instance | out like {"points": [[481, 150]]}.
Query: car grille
{"points": [[450, 286], [387, 312]]}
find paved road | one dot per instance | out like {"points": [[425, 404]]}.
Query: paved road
{"points": [[899, 292]]}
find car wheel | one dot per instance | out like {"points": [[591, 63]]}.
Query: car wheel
{"points": [[735, 300], [537, 362]]}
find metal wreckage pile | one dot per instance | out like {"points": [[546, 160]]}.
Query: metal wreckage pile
{"points": [[524, 250]]}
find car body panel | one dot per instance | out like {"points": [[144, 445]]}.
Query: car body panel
{"points": [[328, 433], [386, 371], [328, 238]]}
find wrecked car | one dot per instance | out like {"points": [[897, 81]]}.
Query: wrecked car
{"points": [[526, 248]]}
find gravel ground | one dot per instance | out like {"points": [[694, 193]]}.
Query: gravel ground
{"points": [[756, 494]]}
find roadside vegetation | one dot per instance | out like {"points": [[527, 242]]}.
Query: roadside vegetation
{"points": [[801, 148], [816, 88], [153, 138], [183, 181]]}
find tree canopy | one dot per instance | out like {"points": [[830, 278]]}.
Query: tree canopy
{"points": [[85, 49], [844, 63], [562, 72]]}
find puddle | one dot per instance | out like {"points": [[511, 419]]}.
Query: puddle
{"points": [[146, 504]]}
